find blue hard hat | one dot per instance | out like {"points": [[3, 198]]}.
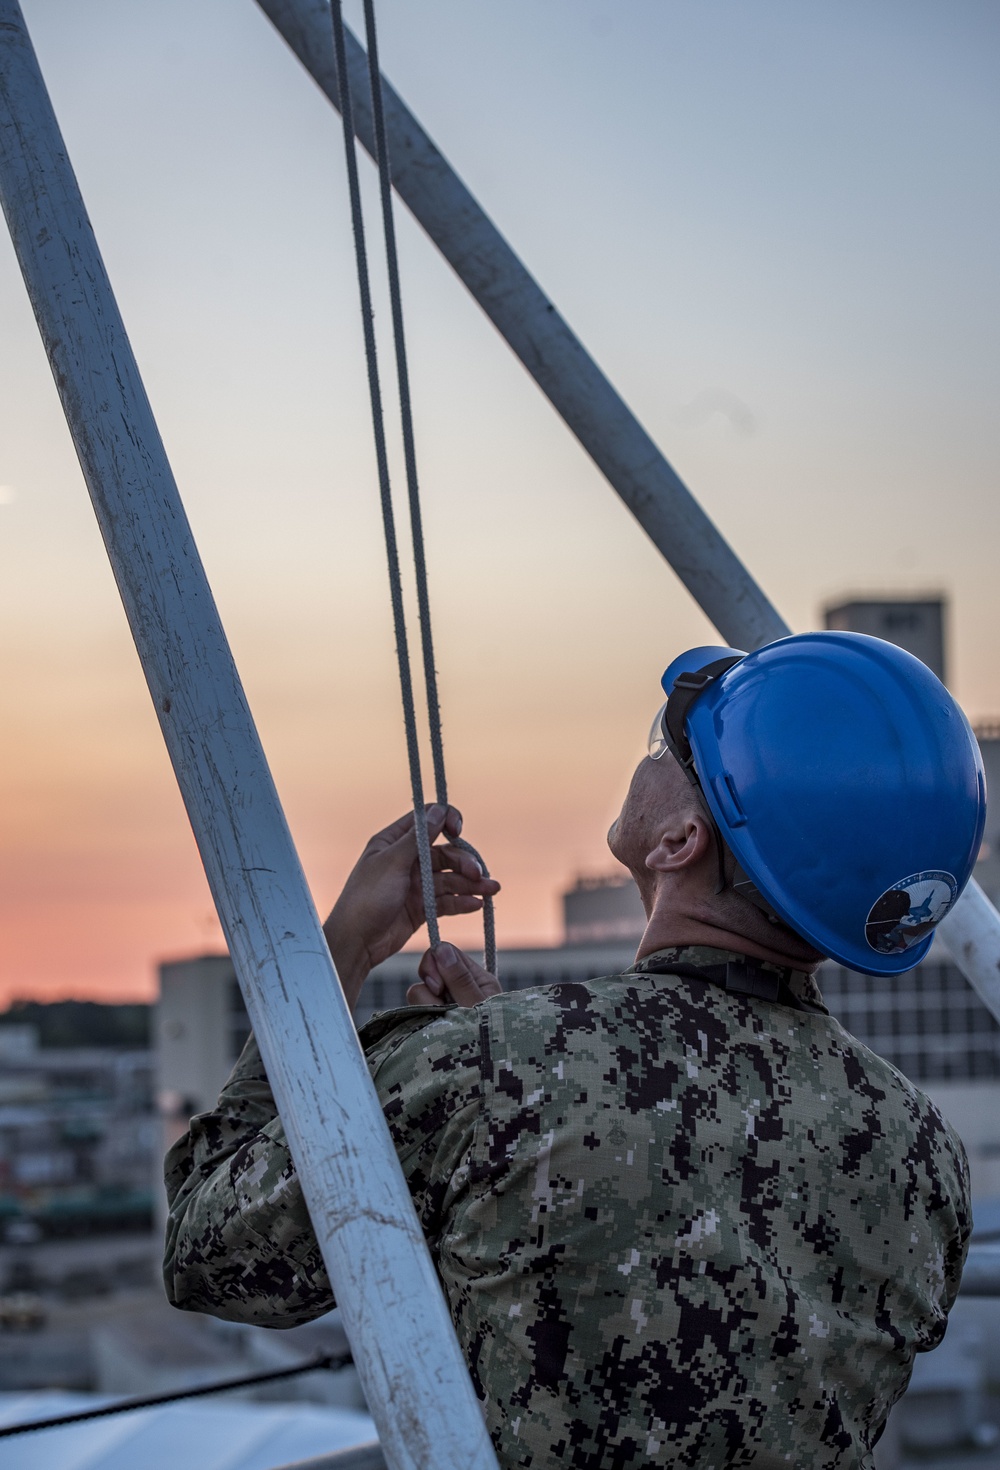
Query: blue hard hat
{"points": [[846, 781]]}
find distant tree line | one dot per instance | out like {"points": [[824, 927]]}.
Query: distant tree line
{"points": [[82, 1023]]}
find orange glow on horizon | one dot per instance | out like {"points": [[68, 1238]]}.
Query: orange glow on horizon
{"points": [[828, 396]]}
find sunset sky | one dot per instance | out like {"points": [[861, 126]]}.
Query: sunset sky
{"points": [[775, 226]]}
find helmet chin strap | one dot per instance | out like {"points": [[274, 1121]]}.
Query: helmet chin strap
{"points": [[741, 882], [747, 888], [687, 687]]}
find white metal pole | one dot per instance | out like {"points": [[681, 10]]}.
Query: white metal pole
{"points": [[981, 1276], [415, 1379], [970, 932], [582, 396]]}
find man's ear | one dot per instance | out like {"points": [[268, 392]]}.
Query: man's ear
{"points": [[682, 845]]}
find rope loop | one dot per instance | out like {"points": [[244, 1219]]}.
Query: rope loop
{"points": [[412, 483]]}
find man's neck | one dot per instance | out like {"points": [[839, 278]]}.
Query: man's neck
{"points": [[672, 931]]}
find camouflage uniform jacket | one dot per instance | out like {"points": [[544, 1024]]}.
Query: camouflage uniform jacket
{"points": [[676, 1226]]}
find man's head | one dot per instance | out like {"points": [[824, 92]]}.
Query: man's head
{"points": [[661, 811], [793, 793], [667, 839]]}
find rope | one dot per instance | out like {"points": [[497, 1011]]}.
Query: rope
{"points": [[410, 460], [405, 407], [125, 1406], [388, 518]]}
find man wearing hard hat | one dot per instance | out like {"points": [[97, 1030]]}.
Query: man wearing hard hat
{"points": [[681, 1216]]}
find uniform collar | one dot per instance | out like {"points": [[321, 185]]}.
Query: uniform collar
{"points": [[737, 973]]}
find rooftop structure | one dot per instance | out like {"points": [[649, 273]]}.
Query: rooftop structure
{"points": [[200, 1027], [914, 623], [603, 910]]}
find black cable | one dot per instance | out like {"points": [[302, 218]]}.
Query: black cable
{"points": [[322, 1360]]}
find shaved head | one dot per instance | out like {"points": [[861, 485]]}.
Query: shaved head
{"points": [[667, 839], [658, 794]]}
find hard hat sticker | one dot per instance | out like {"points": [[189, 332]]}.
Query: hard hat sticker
{"points": [[909, 910]]}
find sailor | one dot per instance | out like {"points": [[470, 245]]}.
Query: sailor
{"points": [[681, 1217]]}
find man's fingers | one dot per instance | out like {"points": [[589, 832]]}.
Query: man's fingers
{"points": [[448, 882], [465, 981], [460, 899], [450, 971], [421, 995], [450, 904], [439, 818], [391, 834], [397, 843], [455, 859], [430, 974]]}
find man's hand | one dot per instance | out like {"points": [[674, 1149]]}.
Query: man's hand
{"points": [[382, 907], [449, 974]]}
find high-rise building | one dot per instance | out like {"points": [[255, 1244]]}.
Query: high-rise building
{"points": [[914, 623]]}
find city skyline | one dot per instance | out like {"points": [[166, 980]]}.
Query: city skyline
{"points": [[776, 233]]}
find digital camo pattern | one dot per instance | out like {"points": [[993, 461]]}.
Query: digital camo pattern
{"points": [[676, 1227]]}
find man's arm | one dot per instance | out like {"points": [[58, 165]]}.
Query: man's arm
{"points": [[239, 1241]]}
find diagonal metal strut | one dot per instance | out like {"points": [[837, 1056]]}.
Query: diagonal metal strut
{"points": [[527, 319]]}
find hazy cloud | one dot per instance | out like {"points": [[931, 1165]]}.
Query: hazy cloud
{"points": [[711, 401]]}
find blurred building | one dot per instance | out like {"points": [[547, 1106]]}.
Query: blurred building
{"points": [[200, 1024], [77, 1130], [914, 623], [210, 1435], [603, 910], [198, 1032]]}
